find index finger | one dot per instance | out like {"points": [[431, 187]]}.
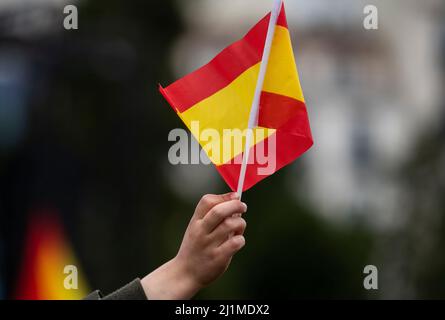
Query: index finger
{"points": [[221, 211], [208, 201]]}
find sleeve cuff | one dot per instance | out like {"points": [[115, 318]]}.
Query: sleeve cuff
{"points": [[131, 291]]}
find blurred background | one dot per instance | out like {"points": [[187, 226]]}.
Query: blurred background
{"points": [[85, 178]]}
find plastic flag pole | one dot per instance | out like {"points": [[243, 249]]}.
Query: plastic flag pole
{"points": [[253, 116]]}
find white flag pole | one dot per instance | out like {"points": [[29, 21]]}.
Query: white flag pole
{"points": [[253, 117]]}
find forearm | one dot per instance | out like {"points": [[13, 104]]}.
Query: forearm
{"points": [[171, 281]]}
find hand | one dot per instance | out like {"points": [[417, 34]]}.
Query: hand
{"points": [[207, 249], [213, 236]]}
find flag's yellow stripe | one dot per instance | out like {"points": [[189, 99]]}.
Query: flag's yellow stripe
{"points": [[229, 108], [282, 76]]}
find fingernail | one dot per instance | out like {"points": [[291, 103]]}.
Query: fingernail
{"points": [[245, 206]]}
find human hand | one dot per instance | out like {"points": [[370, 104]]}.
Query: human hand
{"points": [[213, 236]]}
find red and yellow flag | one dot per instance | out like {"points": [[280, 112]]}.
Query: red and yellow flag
{"points": [[219, 96], [47, 254]]}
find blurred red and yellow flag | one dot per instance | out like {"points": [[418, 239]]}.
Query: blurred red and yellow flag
{"points": [[48, 261], [219, 96]]}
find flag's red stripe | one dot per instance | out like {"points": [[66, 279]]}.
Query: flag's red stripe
{"points": [[222, 70], [219, 72], [284, 113], [288, 148], [293, 137], [282, 21]]}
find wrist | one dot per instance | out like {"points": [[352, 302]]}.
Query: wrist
{"points": [[185, 277], [171, 281]]}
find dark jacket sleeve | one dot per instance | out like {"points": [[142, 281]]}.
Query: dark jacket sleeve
{"points": [[131, 291]]}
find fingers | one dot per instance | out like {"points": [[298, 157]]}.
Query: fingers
{"points": [[231, 246], [230, 226], [208, 201], [222, 211]]}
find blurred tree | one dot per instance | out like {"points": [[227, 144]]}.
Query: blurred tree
{"points": [[422, 238]]}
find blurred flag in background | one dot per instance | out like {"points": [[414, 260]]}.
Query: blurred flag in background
{"points": [[46, 254]]}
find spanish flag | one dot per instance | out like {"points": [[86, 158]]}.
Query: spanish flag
{"points": [[49, 268], [219, 96]]}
